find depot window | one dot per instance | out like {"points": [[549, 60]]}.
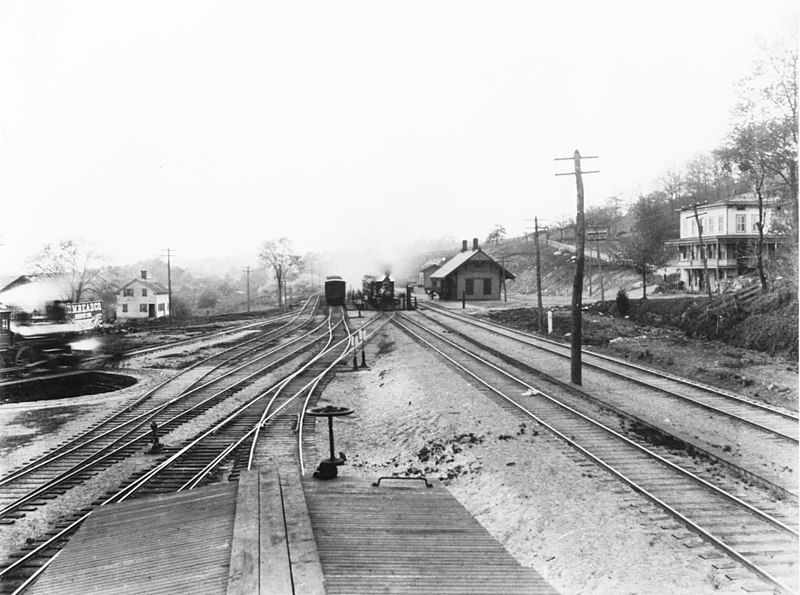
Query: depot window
{"points": [[470, 286], [487, 287]]}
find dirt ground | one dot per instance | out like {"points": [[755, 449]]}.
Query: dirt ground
{"points": [[583, 530], [770, 379]]}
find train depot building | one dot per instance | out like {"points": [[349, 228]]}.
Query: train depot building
{"points": [[730, 237], [142, 298], [471, 274]]}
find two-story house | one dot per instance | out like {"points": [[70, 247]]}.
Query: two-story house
{"points": [[730, 236], [141, 298]]}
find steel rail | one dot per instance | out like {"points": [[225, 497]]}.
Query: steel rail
{"points": [[728, 549], [311, 390], [128, 490], [213, 334], [96, 458], [57, 453], [559, 351]]}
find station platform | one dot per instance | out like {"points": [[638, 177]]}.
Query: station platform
{"points": [[279, 533]]}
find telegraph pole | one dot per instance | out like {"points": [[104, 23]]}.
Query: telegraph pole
{"points": [[538, 273], [169, 281], [247, 270], [577, 285]]}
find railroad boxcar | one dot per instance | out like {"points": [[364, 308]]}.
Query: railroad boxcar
{"points": [[334, 290]]}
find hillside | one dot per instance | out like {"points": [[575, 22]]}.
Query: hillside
{"points": [[558, 270]]}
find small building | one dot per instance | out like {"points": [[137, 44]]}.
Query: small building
{"points": [[471, 274], [142, 298], [730, 236], [427, 270]]}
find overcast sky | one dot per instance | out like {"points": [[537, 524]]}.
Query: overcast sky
{"points": [[208, 127]]}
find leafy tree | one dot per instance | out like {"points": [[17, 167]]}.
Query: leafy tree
{"points": [[207, 299], [643, 248], [73, 260], [762, 143], [497, 234], [279, 254]]}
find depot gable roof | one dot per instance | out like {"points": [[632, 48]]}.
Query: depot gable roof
{"points": [[462, 258]]}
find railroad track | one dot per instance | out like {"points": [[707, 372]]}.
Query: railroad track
{"points": [[761, 540], [773, 420], [49, 481], [163, 399], [211, 455]]}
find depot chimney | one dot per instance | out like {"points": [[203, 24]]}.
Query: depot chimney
{"points": [[474, 243], [463, 245], [144, 274]]}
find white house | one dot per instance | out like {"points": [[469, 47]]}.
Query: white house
{"points": [[142, 298], [730, 235]]}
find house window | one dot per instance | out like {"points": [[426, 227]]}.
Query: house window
{"points": [[487, 287], [741, 223], [127, 292], [144, 292], [720, 223], [694, 227], [124, 307], [142, 307], [470, 286], [161, 308], [754, 223], [710, 225]]}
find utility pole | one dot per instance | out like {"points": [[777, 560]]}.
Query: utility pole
{"points": [[538, 273], [707, 281], [577, 285], [600, 271], [169, 280], [247, 270]]}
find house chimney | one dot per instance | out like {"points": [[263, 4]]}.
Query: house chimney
{"points": [[144, 274], [463, 245], [475, 244]]}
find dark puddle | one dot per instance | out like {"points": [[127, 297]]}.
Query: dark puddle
{"points": [[63, 386], [39, 422]]}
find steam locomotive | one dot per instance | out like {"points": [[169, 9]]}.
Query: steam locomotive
{"points": [[379, 294], [29, 339]]}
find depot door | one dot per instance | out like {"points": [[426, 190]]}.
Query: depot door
{"points": [[151, 310]]}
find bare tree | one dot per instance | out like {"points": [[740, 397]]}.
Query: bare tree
{"points": [[497, 234], [74, 261], [279, 254]]}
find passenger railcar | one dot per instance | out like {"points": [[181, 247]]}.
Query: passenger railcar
{"points": [[335, 290]]}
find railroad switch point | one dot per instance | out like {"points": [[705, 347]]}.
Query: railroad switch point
{"points": [[328, 468]]}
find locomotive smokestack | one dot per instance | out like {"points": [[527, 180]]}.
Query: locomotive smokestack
{"points": [[463, 245], [474, 243]]}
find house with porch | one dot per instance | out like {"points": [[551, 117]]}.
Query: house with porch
{"points": [[142, 298], [730, 239], [471, 274]]}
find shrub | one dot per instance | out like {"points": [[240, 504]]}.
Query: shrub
{"points": [[623, 304]]}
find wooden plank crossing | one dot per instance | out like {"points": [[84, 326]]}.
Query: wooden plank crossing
{"points": [[176, 543], [403, 537], [274, 532]]}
